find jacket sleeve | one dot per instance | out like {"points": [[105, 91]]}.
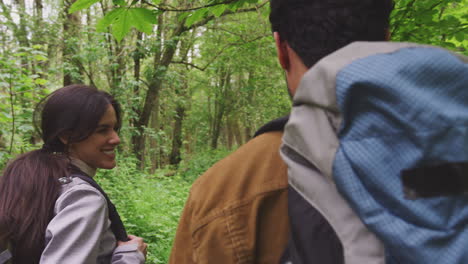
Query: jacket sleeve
{"points": [[74, 234], [127, 254], [182, 249]]}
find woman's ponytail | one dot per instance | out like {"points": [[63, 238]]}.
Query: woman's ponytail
{"points": [[29, 188]]}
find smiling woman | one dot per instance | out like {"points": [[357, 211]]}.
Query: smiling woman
{"points": [[53, 210], [98, 150]]}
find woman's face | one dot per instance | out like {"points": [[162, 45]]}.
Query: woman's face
{"points": [[98, 150]]}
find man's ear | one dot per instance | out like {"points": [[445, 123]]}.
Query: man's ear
{"points": [[282, 50], [388, 34]]}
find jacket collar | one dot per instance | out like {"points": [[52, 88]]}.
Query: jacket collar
{"points": [[91, 172]]}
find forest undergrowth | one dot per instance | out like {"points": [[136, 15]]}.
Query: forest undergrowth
{"points": [[150, 204]]}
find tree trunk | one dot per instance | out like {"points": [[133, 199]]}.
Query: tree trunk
{"points": [[237, 132], [230, 133], [220, 106], [156, 155], [71, 29], [19, 32], [38, 33], [186, 47], [175, 156], [154, 88], [137, 57], [119, 70], [22, 30], [90, 40]]}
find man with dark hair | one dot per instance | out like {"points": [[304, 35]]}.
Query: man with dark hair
{"points": [[306, 31], [237, 211], [376, 140], [313, 28]]}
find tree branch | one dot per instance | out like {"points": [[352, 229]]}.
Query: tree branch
{"points": [[190, 64], [165, 9], [218, 54], [227, 12], [7, 14], [396, 26]]}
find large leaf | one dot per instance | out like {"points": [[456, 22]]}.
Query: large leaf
{"points": [[81, 4], [143, 19], [218, 10], [121, 25], [123, 19], [196, 16], [108, 19]]}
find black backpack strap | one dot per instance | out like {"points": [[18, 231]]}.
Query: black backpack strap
{"points": [[312, 239], [274, 125], [117, 226]]}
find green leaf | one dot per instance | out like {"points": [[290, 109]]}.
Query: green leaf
{"points": [[108, 19], [236, 5], [449, 45], [119, 2], [460, 36], [81, 4], [39, 57], [145, 15], [196, 16], [40, 81], [123, 19], [217, 11], [142, 19], [121, 25], [183, 16]]}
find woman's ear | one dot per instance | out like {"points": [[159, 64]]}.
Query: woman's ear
{"points": [[64, 138]]}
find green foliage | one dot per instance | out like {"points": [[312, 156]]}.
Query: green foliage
{"points": [[21, 81], [217, 11], [81, 4], [442, 23], [195, 165], [196, 16], [227, 65], [123, 19], [150, 205]]}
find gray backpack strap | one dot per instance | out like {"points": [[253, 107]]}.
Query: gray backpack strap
{"points": [[5, 256]]}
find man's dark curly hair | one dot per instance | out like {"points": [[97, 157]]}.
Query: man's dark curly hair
{"points": [[316, 28]]}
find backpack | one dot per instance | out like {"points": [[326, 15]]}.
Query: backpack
{"points": [[377, 143]]}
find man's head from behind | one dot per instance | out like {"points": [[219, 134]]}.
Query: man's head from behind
{"points": [[316, 28]]}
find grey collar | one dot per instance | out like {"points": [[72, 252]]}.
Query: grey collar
{"points": [[91, 172]]}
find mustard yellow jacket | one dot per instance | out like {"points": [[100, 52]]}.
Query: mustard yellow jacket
{"points": [[237, 211]]}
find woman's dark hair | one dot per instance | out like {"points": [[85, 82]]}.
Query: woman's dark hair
{"points": [[316, 28], [29, 186]]}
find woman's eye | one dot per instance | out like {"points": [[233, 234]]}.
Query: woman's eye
{"points": [[102, 131]]}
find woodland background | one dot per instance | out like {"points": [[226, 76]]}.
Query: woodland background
{"points": [[195, 79]]}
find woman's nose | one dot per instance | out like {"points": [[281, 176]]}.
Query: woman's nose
{"points": [[115, 139]]}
